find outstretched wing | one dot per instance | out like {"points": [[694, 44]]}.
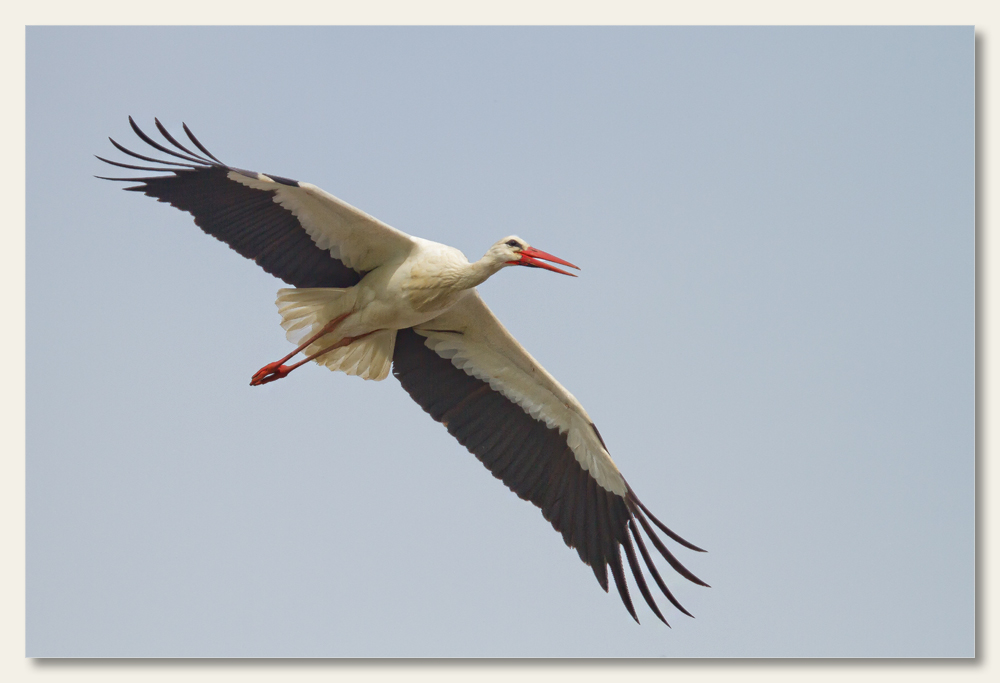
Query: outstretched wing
{"points": [[293, 230], [467, 371]]}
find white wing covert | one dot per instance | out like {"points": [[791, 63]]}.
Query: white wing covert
{"points": [[476, 342], [359, 241]]}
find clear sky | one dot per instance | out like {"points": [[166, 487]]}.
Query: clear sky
{"points": [[773, 329]]}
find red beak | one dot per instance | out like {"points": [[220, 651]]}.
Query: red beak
{"points": [[530, 256]]}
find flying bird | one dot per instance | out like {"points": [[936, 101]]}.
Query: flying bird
{"points": [[366, 298]]}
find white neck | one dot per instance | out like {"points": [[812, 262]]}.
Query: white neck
{"points": [[477, 273]]}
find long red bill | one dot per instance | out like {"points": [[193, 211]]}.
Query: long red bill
{"points": [[530, 257]]}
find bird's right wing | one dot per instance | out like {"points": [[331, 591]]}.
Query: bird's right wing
{"points": [[467, 371], [293, 230]]}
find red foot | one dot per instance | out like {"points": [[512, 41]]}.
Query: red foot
{"points": [[269, 373]]}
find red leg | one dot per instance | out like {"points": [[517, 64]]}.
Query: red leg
{"points": [[277, 369], [282, 370]]}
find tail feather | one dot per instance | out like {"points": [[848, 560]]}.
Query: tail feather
{"points": [[305, 311]]}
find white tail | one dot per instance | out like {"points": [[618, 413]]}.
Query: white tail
{"points": [[305, 311]]}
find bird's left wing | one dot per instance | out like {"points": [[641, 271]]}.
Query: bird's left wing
{"points": [[293, 230], [470, 374]]}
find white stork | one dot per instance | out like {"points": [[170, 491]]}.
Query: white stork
{"points": [[367, 297]]}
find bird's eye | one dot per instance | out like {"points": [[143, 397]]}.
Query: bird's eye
{"points": [[513, 243]]}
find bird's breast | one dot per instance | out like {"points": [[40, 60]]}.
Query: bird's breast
{"points": [[432, 300], [407, 295], [431, 283]]}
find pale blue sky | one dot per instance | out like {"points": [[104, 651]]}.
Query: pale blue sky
{"points": [[773, 329]]}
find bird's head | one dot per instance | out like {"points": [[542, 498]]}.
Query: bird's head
{"points": [[514, 251]]}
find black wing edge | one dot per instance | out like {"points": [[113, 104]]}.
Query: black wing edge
{"points": [[536, 463], [246, 219]]}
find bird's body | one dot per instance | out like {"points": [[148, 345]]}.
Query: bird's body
{"points": [[367, 298], [406, 291], [409, 291], [434, 277]]}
